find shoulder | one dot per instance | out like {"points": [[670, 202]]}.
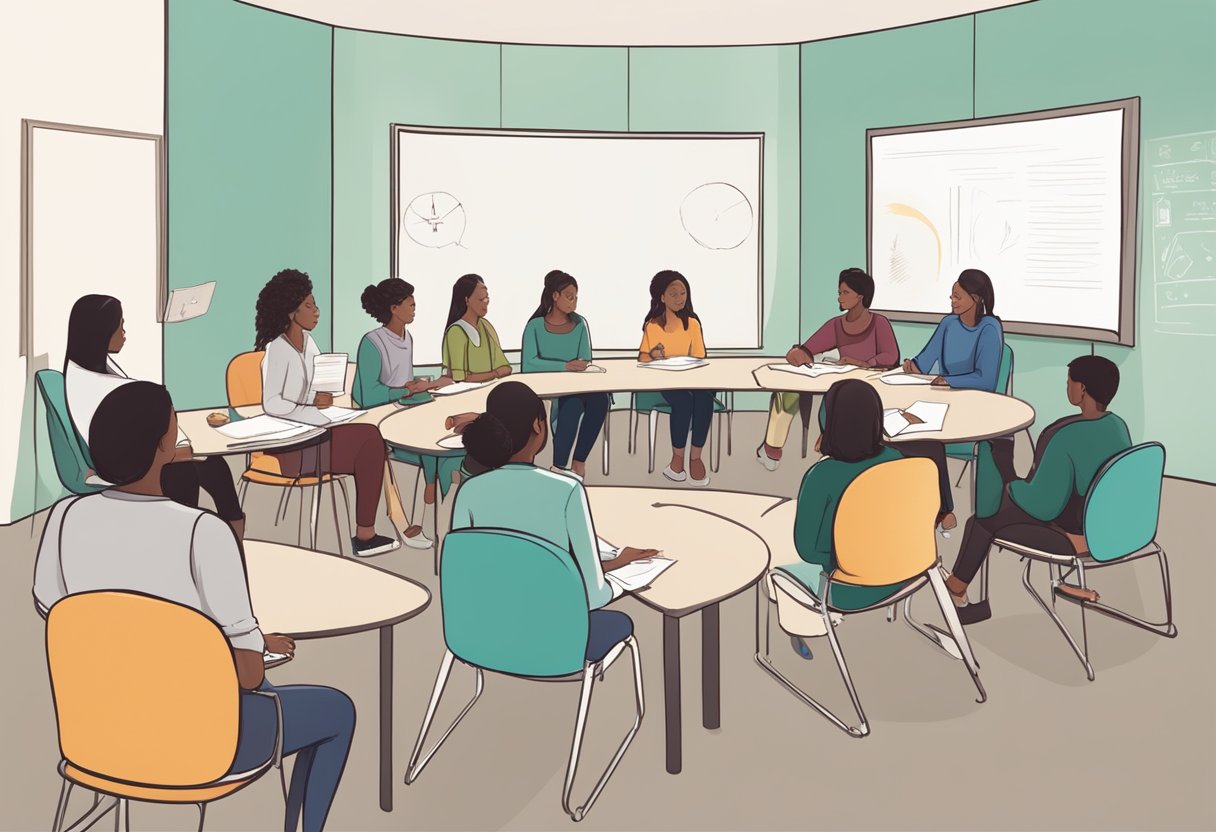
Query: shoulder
{"points": [[991, 323], [694, 323], [367, 341], [455, 330], [950, 321], [276, 346], [534, 324], [881, 320]]}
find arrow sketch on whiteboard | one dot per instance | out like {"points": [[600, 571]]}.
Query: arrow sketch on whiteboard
{"points": [[717, 216], [435, 220]]}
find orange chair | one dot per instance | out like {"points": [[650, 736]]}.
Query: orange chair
{"points": [[147, 704], [244, 383]]}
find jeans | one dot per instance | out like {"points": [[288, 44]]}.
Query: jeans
{"points": [[579, 416], [318, 726], [690, 407]]}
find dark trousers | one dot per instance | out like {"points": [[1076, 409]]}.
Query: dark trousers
{"points": [[1002, 456], [358, 450], [693, 408], [318, 726], [181, 482], [1009, 523], [579, 417]]}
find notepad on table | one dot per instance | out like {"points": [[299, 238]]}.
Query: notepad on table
{"points": [[457, 387], [257, 427], [329, 373], [337, 415], [639, 574], [678, 362], [899, 377], [813, 370], [931, 414]]}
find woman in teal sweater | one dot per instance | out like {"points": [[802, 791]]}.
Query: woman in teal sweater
{"points": [[384, 372], [851, 443], [556, 340]]}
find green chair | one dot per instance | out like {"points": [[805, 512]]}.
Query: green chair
{"points": [[515, 604], [653, 404], [968, 451], [1120, 526], [68, 449]]}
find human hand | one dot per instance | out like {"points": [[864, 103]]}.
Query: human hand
{"points": [[278, 643], [798, 357], [629, 554], [912, 418], [324, 400], [819, 443], [442, 381], [460, 421], [940, 382], [503, 372], [910, 366], [658, 353], [417, 386], [577, 365]]}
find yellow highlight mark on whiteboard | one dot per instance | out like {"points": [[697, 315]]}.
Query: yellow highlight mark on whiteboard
{"points": [[901, 210]]}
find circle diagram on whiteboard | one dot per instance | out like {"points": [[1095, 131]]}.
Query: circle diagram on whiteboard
{"points": [[717, 215], [434, 220]]}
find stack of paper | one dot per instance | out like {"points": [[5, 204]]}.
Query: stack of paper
{"points": [[639, 574], [932, 416], [899, 377], [457, 387], [328, 374], [813, 370], [262, 429], [337, 415], [679, 362]]}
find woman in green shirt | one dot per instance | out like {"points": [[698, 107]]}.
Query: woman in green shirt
{"points": [[471, 350], [557, 339], [384, 372], [851, 443]]}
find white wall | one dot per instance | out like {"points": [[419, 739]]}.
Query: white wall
{"points": [[74, 61]]}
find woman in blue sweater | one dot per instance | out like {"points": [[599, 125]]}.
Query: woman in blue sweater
{"points": [[965, 352]]}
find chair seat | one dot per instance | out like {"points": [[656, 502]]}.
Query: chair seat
{"points": [[845, 598], [156, 794], [606, 629], [1085, 558], [257, 477], [1038, 542]]}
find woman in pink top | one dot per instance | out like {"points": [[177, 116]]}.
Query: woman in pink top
{"points": [[862, 337]]}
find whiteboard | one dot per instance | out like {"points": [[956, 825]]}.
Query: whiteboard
{"points": [[93, 224], [611, 209], [1043, 202]]}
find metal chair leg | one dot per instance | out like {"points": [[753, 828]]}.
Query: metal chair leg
{"points": [[122, 818], [716, 456], [730, 422], [333, 499], [202, 815], [65, 792], [415, 766], [959, 635], [580, 726], [962, 473], [654, 432], [1082, 655], [100, 809], [607, 434], [632, 444], [1165, 628]]}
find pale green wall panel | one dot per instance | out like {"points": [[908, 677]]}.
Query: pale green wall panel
{"points": [[565, 88]]}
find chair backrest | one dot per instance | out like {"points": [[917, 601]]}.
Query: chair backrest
{"points": [[513, 603], [68, 447], [1123, 503], [884, 529], [145, 689], [1004, 372], [244, 379]]}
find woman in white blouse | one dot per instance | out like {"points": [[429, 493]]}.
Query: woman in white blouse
{"points": [[286, 313], [95, 333]]}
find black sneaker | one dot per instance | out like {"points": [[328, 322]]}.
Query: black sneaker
{"points": [[375, 545], [974, 612]]}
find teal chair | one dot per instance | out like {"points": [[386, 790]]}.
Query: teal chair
{"points": [[1120, 526], [968, 451], [653, 404], [515, 604], [68, 449]]}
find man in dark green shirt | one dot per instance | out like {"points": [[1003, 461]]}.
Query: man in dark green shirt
{"points": [[1045, 510]]}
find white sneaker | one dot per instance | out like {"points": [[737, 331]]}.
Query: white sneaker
{"points": [[418, 541], [675, 476], [699, 483], [767, 461]]}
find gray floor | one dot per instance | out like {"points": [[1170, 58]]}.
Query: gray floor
{"points": [[1049, 750]]}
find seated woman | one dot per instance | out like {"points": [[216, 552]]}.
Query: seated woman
{"points": [[964, 351], [863, 339], [672, 329], [512, 493], [557, 339], [471, 350], [286, 313], [851, 443], [95, 332], [384, 372], [1046, 509], [132, 538]]}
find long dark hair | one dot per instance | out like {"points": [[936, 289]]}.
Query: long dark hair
{"points": [[93, 322], [506, 427], [976, 282], [852, 427], [658, 311], [126, 430], [281, 296], [379, 300], [556, 281], [462, 290]]}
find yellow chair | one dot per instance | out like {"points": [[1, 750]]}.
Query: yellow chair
{"points": [[244, 383], [147, 704], [877, 565]]}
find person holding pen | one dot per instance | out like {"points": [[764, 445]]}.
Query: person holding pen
{"points": [[557, 339], [672, 329], [471, 349]]}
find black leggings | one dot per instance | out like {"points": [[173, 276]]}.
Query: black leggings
{"points": [[181, 481], [1010, 523], [1002, 456]]}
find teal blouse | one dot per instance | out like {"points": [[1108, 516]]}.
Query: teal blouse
{"points": [[547, 352]]}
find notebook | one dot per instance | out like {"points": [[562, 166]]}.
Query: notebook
{"points": [[329, 373], [457, 387], [677, 363], [813, 370], [931, 414], [337, 415], [899, 377]]}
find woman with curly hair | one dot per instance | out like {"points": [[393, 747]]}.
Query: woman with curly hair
{"points": [[384, 372], [286, 313]]}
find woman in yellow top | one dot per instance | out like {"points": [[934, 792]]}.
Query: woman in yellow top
{"points": [[672, 329], [471, 350]]}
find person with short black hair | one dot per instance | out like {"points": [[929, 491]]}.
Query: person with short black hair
{"points": [[1045, 509], [133, 538], [861, 337], [512, 493], [384, 372], [96, 333]]}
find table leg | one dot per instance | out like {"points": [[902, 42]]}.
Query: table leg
{"points": [[671, 692], [711, 673], [386, 719]]}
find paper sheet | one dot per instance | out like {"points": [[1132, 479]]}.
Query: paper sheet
{"points": [[328, 374], [813, 370], [452, 442], [457, 387], [337, 415], [679, 362], [640, 573], [899, 377], [257, 426], [932, 414]]}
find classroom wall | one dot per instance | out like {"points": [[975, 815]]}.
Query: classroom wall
{"points": [[1051, 53], [380, 79], [78, 62], [249, 176]]}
